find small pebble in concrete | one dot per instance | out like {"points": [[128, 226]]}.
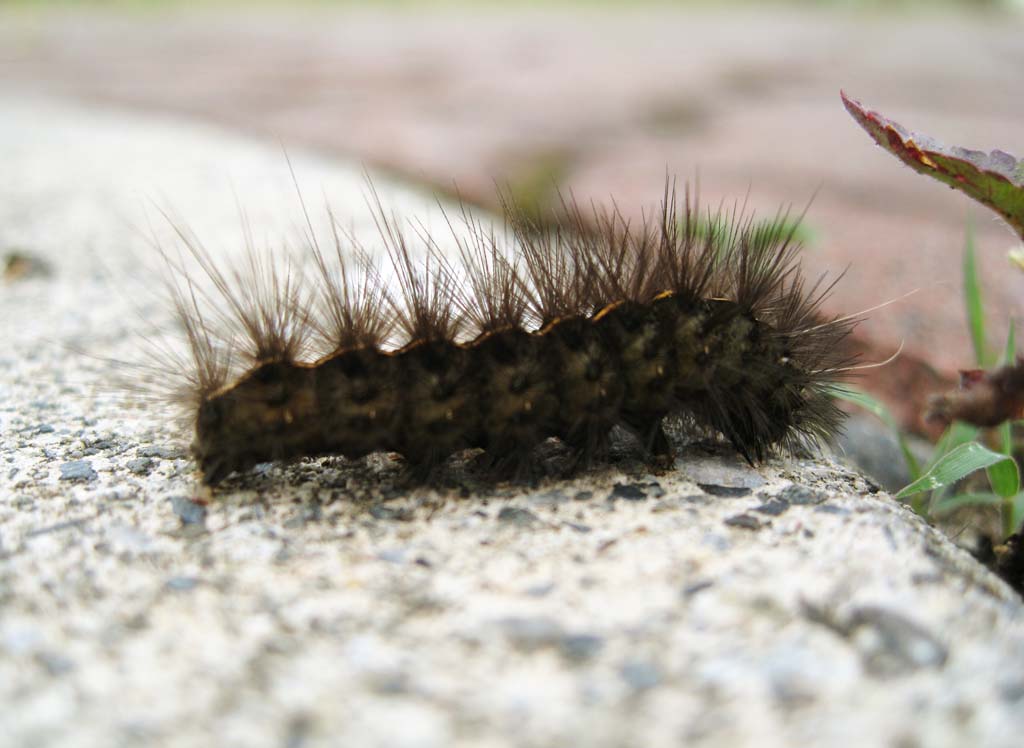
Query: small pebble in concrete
{"points": [[830, 509], [393, 555], [654, 489], [627, 491], [77, 470], [515, 515], [531, 633], [140, 465], [789, 691], [773, 507], [1012, 691], [55, 663], [540, 590], [798, 494], [640, 676], [18, 264], [580, 647], [746, 521], [298, 730], [549, 498], [393, 513], [311, 512], [162, 453], [725, 492], [181, 584], [57, 527], [696, 587], [188, 511]]}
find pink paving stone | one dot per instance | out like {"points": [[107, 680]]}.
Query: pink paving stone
{"points": [[614, 99]]}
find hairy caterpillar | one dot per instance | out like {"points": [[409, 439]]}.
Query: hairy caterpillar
{"points": [[535, 330]]}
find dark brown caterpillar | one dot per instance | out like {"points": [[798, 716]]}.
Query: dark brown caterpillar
{"points": [[536, 332]]}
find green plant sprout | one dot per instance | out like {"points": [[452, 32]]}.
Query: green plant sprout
{"points": [[963, 453], [959, 451], [996, 180]]}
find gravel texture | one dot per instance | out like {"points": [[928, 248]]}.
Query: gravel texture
{"points": [[710, 604]]}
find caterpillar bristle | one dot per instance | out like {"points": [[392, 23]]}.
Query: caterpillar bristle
{"points": [[424, 302], [529, 330], [353, 309]]}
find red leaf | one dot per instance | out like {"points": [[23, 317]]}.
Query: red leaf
{"points": [[994, 179]]}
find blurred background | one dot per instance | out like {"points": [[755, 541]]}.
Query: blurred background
{"points": [[605, 98]]}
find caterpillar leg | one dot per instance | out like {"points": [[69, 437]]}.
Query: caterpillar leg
{"points": [[657, 446], [516, 465], [657, 449]]}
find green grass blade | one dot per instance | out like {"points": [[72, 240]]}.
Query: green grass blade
{"points": [[1004, 480], [1006, 437], [877, 408], [951, 503], [1009, 356], [956, 433], [972, 298], [953, 466], [1004, 477], [1013, 515]]}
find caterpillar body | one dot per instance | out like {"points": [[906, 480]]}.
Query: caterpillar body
{"points": [[536, 330]]}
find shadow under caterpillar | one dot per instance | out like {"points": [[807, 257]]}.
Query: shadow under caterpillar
{"points": [[535, 330]]}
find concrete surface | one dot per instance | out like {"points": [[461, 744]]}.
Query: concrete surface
{"points": [[604, 101], [710, 605]]}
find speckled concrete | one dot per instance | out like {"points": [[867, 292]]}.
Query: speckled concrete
{"points": [[711, 604]]}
